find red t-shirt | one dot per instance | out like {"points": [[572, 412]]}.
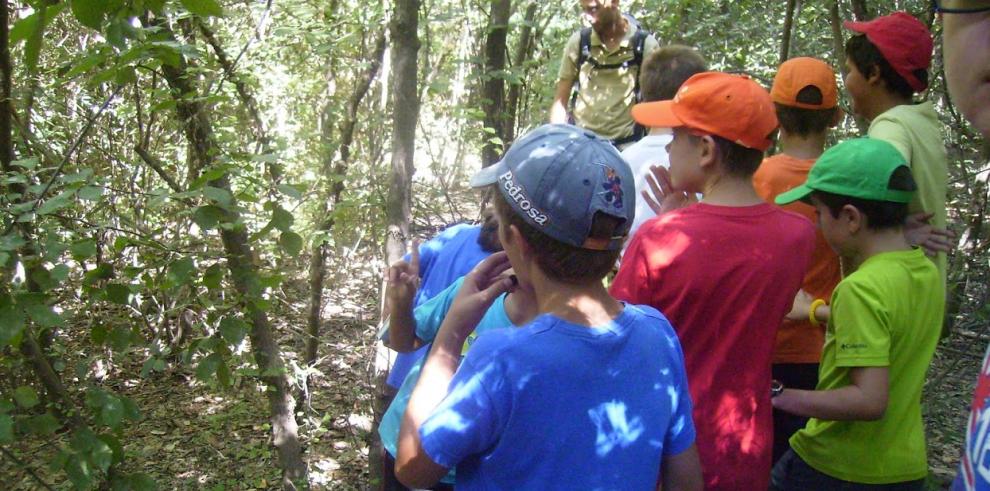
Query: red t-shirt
{"points": [[799, 341], [725, 277]]}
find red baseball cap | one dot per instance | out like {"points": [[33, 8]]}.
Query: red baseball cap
{"points": [[796, 74], [904, 41], [733, 107]]}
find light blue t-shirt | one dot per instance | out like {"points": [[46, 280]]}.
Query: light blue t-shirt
{"points": [[554, 405], [451, 254], [428, 317]]}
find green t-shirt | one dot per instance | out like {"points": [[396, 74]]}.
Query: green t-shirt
{"points": [[914, 129], [886, 314], [605, 96]]}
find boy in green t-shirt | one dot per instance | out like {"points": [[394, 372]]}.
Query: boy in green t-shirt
{"points": [[887, 63], [883, 325]]}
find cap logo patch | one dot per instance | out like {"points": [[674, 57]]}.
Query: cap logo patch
{"points": [[516, 194], [613, 187]]}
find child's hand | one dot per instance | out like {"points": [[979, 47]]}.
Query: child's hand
{"points": [[919, 232], [403, 281], [480, 289], [802, 304], [664, 197]]}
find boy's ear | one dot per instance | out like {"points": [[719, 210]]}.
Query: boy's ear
{"points": [[874, 78], [709, 152], [853, 219]]}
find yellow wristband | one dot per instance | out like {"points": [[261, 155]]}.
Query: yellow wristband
{"points": [[811, 312]]}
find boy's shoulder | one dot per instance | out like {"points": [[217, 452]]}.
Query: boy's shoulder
{"points": [[890, 270]]}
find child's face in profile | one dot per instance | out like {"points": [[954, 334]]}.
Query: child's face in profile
{"points": [[966, 49], [830, 226], [857, 85], [685, 159]]}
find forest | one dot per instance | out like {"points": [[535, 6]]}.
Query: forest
{"points": [[200, 197]]}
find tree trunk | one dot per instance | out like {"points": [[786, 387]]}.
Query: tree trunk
{"points": [[523, 51], [243, 273], [334, 170], [405, 107], [861, 11], [838, 43], [785, 44], [493, 89], [31, 348]]}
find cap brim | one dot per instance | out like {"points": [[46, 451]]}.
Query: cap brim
{"points": [[488, 175], [658, 114], [799, 193], [854, 26]]}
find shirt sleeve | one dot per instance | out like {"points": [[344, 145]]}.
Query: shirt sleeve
{"points": [[861, 326], [568, 62], [892, 132], [467, 421], [431, 313], [681, 433]]}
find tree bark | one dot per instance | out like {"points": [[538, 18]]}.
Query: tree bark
{"points": [[785, 44], [861, 12], [30, 347], [838, 43], [334, 169], [241, 263], [493, 89], [523, 51]]}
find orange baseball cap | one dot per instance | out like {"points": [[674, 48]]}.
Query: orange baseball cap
{"points": [[733, 107], [796, 74]]}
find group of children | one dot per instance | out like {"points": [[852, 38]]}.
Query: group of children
{"points": [[737, 347]]}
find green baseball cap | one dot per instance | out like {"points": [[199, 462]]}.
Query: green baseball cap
{"points": [[859, 168]]}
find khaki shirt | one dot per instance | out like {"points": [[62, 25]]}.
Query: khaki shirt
{"points": [[605, 96]]}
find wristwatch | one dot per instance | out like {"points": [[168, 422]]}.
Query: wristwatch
{"points": [[776, 388]]}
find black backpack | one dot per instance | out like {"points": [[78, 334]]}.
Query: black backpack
{"points": [[584, 56]]}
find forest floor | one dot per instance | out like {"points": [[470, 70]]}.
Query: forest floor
{"points": [[193, 436]]}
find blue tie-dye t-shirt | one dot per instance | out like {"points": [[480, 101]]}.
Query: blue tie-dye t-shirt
{"points": [[563, 406]]}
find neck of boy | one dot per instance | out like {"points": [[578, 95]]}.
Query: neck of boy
{"points": [[730, 190], [804, 147], [883, 101], [520, 305], [586, 304], [873, 242]]}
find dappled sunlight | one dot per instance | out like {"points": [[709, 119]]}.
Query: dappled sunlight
{"points": [[614, 429]]}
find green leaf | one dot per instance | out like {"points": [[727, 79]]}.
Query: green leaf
{"points": [[26, 397], [11, 242], [282, 219], [203, 8], [90, 13], [290, 191], [220, 196], [233, 330], [44, 424], [114, 444], [12, 322], [291, 243], [51, 205], [99, 334], [208, 366], [120, 338], [43, 315], [131, 411], [90, 193], [83, 249], [112, 412], [117, 293], [213, 277], [97, 274], [23, 28], [223, 375], [180, 271], [6, 429], [208, 216], [79, 472]]}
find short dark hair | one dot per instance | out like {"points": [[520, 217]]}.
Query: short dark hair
{"points": [[865, 55], [737, 160], [564, 262], [665, 69], [880, 215], [804, 122]]}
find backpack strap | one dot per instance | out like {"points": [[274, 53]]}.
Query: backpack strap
{"points": [[584, 53]]}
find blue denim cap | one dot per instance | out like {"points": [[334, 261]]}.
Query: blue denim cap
{"points": [[558, 176]]}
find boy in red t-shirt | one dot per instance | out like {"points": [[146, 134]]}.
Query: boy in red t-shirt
{"points": [[805, 96], [724, 271]]}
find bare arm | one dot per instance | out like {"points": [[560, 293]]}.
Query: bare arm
{"points": [[558, 110], [481, 287], [403, 282], [919, 232], [865, 399], [681, 472]]}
